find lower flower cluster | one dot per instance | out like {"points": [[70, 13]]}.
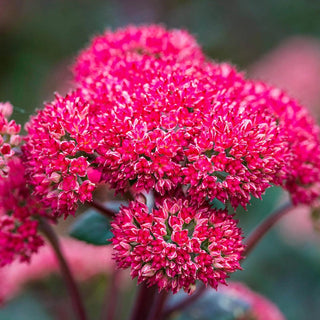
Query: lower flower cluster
{"points": [[176, 244]]}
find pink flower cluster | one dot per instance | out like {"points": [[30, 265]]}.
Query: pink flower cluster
{"points": [[179, 124], [302, 138], [153, 124], [60, 148], [9, 137], [294, 66], [84, 260], [151, 113], [176, 244], [134, 43], [18, 230]]}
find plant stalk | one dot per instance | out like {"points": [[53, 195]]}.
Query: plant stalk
{"points": [[184, 303], [102, 209], [265, 226], [76, 299], [144, 302], [160, 300], [110, 308]]}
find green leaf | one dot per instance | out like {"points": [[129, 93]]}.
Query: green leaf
{"points": [[26, 307], [92, 227]]}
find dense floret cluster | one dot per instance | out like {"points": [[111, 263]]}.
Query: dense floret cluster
{"points": [[302, 136], [176, 244], [161, 128], [60, 148], [151, 114], [18, 230], [9, 137], [133, 43]]}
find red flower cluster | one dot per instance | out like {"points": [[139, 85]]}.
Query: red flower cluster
{"points": [[18, 230], [151, 124], [9, 137], [134, 43], [152, 114], [176, 244], [59, 148], [302, 137]]}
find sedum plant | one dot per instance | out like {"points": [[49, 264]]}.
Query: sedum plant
{"points": [[183, 140]]}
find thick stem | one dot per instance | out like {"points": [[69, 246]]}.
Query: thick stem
{"points": [[77, 302], [158, 305], [144, 302], [102, 209], [110, 307], [265, 226], [184, 303]]}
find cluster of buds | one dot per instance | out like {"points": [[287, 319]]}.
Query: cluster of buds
{"points": [[176, 244], [9, 137]]}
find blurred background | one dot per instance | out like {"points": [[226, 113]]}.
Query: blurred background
{"points": [[276, 40]]}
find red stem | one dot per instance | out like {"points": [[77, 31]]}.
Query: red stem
{"points": [[186, 302], [77, 302], [144, 302], [265, 226], [102, 209], [110, 308], [158, 305]]}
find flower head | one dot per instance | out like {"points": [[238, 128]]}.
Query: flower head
{"points": [[303, 138], [59, 151], [177, 124], [18, 230], [158, 120], [176, 244]]}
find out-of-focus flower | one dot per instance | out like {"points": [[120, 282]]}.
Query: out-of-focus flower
{"points": [[9, 137], [176, 244], [6, 109], [297, 228], [84, 260], [260, 308], [295, 67]]}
